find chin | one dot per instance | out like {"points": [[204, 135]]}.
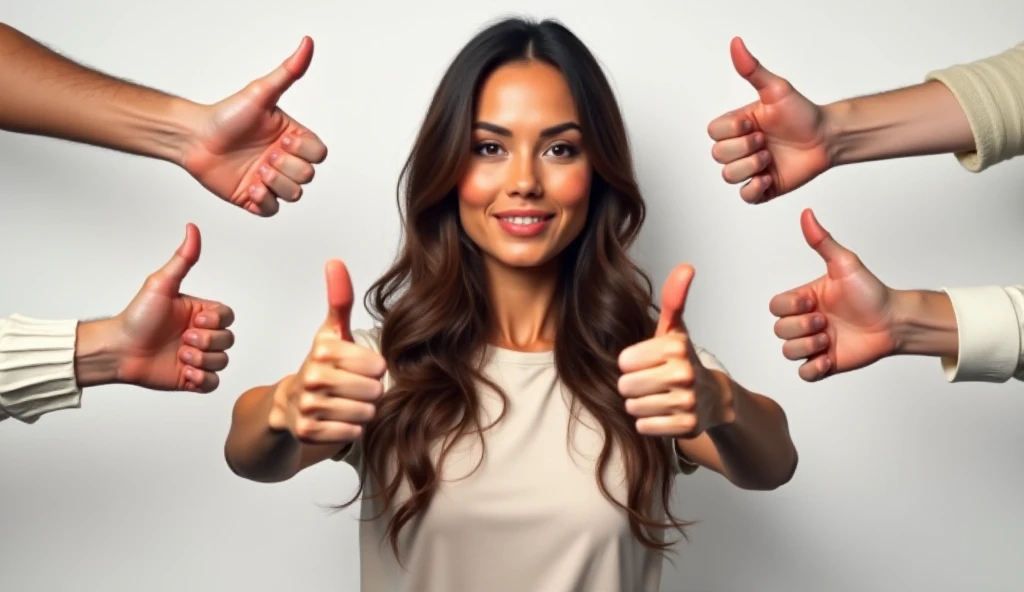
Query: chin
{"points": [[521, 260]]}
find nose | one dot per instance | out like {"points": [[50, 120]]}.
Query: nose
{"points": [[523, 180]]}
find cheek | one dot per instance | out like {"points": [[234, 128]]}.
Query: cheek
{"points": [[570, 189], [477, 188]]}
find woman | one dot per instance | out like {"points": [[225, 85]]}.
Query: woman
{"points": [[514, 332]]}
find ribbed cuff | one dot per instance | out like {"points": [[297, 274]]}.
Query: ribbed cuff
{"points": [[989, 335], [988, 91], [37, 367]]}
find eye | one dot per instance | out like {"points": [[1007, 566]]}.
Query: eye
{"points": [[488, 149], [563, 150]]}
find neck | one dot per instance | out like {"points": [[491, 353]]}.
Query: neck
{"points": [[522, 306]]}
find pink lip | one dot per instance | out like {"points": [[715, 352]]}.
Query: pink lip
{"points": [[524, 230]]}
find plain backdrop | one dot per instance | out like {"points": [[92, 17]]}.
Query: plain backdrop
{"points": [[905, 482]]}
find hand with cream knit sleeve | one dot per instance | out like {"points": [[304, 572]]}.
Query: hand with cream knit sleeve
{"points": [[163, 340]]}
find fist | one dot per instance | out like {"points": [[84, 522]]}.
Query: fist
{"points": [[773, 145], [337, 389], [667, 388]]}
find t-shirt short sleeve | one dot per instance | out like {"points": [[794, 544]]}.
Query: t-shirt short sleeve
{"points": [[353, 453], [683, 465]]}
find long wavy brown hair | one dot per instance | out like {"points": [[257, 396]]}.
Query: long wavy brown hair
{"points": [[433, 306]]}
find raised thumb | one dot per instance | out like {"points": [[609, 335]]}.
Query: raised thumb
{"points": [[752, 71], [673, 299], [273, 85], [819, 239], [167, 279], [339, 298]]}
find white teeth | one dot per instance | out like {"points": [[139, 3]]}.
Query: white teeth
{"points": [[524, 220]]}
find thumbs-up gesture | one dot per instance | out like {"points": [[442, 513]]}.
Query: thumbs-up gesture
{"points": [[246, 150], [839, 322], [339, 384], [778, 142], [166, 340], [665, 385]]}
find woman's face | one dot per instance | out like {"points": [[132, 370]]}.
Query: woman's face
{"points": [[525, 193]]}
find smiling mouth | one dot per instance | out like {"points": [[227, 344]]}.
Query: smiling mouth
{"points": [[525, 220]]}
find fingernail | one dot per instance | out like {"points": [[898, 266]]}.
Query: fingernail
{"points": [[263, 169], [805, 304], [253, 188], [821, 340], [286, 140], [191, 338], [817, 323], [274, 156], [745, 126], [201, 320], [189, 358]]}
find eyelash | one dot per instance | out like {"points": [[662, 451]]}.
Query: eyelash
{"points": [[482, 146]]}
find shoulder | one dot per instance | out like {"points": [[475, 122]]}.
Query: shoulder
{"points": [[710, 360], [368, 338]]}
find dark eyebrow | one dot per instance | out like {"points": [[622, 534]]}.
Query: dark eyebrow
{"points": [[551, 131]]}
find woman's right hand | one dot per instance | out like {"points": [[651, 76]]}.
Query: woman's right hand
{"points": [[339, 384]]}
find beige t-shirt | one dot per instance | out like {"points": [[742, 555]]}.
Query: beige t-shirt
{"points": [[530, 518]]}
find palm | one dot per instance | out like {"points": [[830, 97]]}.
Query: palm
{"points": [[794, 136], [240, 135], [154, 326], [858, 310]]}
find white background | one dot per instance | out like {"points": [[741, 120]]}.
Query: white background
{"points": [[905, 482]]}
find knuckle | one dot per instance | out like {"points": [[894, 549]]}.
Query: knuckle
{"points": [[313, 377], [308, 403], [322, 350], [305, 428], [676, 346]]}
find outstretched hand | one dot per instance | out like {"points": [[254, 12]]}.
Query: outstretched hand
{"points": [[337, 389], [839, 322], [666, 386], [775, 144], [248, 151], [167, 340]]}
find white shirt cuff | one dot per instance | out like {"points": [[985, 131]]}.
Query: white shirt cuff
{"points": [[37, 367], [989, 335]]}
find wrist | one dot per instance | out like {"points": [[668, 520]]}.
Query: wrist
{"points": [[98, 353], [847, 139], [924, 324], [277, 414], [728, 400], [174, 130]]}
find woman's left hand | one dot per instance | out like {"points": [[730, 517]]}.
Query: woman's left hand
{"points": [[665, 385]]}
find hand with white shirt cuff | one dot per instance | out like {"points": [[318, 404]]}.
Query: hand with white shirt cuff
{"points": [[163, 340], [848, 319]]}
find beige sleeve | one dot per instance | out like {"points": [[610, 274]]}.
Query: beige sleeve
{"points": [[37, 367], [710, 362], [991, 93], [990, 324], [353, 453]]}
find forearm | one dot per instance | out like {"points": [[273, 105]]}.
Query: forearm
{"points": [[754, 447], [914, 121], [924, 324], [253, 450], [47, 94]]}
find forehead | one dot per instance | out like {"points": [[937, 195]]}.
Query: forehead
{"points": [[525, 94]]}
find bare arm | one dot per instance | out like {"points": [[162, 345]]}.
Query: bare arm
{"points": [[914, 121], [754, 450], [257, 452], [50, 95]]}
